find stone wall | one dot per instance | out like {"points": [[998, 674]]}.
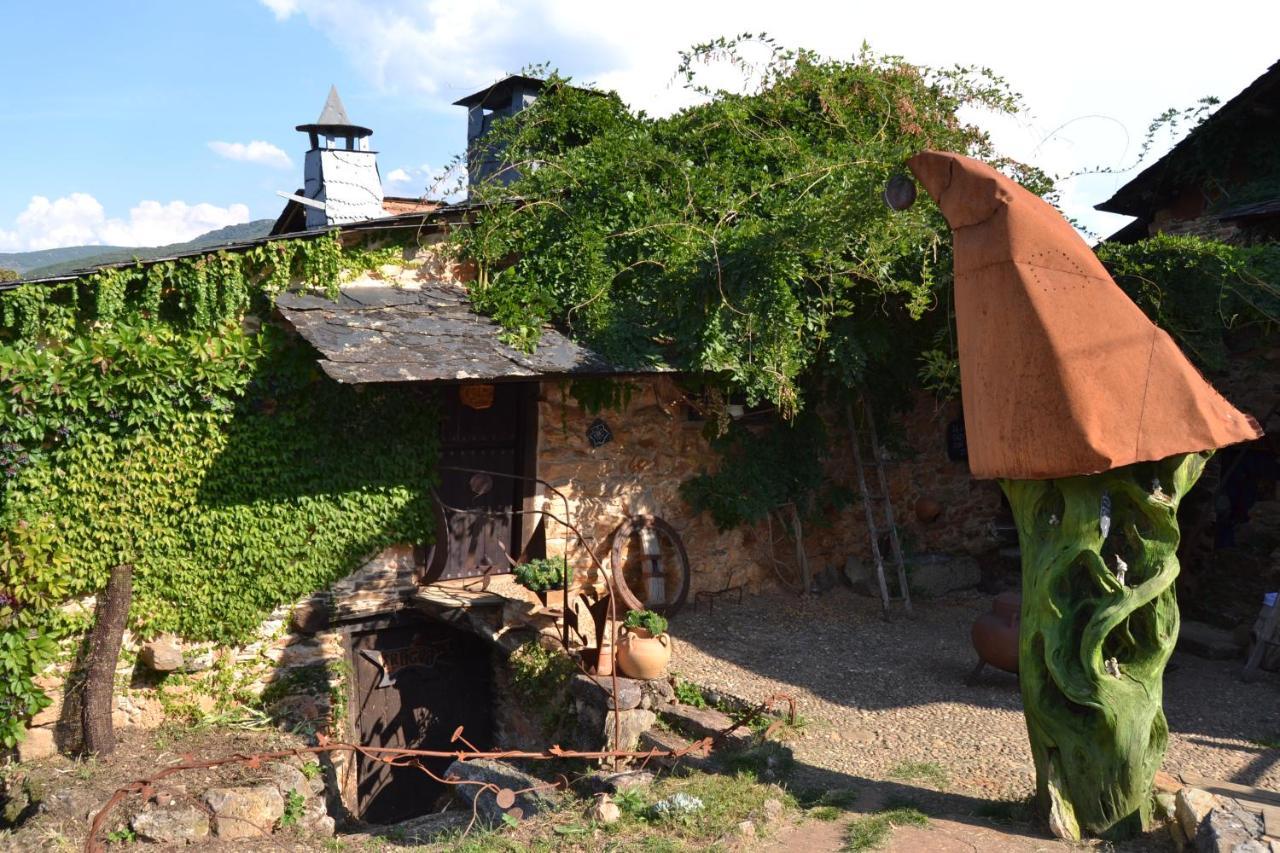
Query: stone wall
{"points": [[656, 446]]}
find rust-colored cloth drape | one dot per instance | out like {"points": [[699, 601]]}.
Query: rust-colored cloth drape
{"points": [[1061, 373]]}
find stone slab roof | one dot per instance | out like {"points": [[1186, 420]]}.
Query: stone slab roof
{"points": [[426, 334]]}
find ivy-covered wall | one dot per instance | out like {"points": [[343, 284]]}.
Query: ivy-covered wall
{"points": [[152, 417]]}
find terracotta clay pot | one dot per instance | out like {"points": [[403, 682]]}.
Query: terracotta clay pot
{"points": [[927, 510], [995, 634], [641, 655]]}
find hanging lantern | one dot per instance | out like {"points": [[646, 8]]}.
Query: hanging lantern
{"points": [[478, 397]]}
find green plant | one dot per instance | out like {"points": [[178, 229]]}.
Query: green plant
{"points": [[541, 574], [311, 769], [688, 693], [150, 417], [928, 772], [631, 802], [540, 681], [646, 620], [1198, 290], [872, 831], [293, 807], [124, 835]]}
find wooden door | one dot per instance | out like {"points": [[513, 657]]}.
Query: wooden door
{"points": [[416, 681], [481, 510]]}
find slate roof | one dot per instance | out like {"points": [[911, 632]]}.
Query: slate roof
{"points": [[432, 334]]}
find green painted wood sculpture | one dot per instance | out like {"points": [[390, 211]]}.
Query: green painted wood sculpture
{"points": [[1096, 426]]}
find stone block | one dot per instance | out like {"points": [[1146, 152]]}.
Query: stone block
{"points": [[1229, 828], [598, 690], [698, 723], [1205, 641], [631, 724], [503, 776], [179, 824], [162, 655], [938, 574], [249, 811], [1191, 805], [37, 744]]}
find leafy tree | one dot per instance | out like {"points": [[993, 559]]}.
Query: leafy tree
{"points": [[8, 274], [743, 237]]}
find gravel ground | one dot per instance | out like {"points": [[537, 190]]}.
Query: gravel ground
{"points": [[879, 695]]}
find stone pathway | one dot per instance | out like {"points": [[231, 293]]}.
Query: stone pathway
{"points": [[887, 705]]}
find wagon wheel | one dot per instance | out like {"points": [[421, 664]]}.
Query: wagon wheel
{"points": [[657, 578]]}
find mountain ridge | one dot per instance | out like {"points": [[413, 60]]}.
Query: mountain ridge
{"points": [[50, 262]]}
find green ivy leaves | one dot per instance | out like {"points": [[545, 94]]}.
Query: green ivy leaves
{"points": [[144, 421]]}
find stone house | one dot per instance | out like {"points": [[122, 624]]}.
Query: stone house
{"points": [[1221, 181], [527, 470]]}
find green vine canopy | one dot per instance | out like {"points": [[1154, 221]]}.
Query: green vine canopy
{"points": [[152, 417]]}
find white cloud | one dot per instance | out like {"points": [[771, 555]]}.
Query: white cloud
{"points": [[79, 219], [256, 151], [1082, 112], [282, 9], [428, 181]]}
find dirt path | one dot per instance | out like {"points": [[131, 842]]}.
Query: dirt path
{"points": [[889, 713]]}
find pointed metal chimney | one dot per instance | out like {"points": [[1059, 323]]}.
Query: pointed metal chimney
{"points": [[341, 173]]}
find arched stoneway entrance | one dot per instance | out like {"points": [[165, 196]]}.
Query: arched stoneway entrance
{"points": [[416, 680]]}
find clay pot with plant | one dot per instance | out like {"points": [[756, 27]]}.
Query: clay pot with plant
{"points": [[644, 649], [545, 577]]}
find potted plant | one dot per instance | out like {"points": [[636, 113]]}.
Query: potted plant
{"points": [[545, 577], [644, 649]]}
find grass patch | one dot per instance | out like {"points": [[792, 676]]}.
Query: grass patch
{"points": [[872, 831], [826, 805], [1007, 811], [928, 772], [1266, 742], [688, 693], [726, 802]]}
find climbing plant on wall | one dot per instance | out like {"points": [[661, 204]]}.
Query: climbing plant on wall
{"points": [[154, 419], [1198, 290]]}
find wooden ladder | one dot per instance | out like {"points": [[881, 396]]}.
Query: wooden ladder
{"points": [[883, 496]]}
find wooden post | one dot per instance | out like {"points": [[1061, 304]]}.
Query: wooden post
{"points": [[1270, 634], [100, 666], [866, 505], [894, 542], [806, 579]]}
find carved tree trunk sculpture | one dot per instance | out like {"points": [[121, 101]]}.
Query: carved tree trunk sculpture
{"points": [[100, 667], [1099, 621]]}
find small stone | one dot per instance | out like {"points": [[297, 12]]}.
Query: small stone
{"points": [[171, 824], [773, 810], [604, 810], [287, 778], [162, 655], [1191, 806], [245, 812], [38, 744], [745, 829], [316, 819]]}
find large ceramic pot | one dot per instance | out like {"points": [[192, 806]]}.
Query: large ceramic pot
{"points": [[642, 655], [995, 634]]}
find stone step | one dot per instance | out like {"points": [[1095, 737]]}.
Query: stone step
{"points": [[659, 739], [1206, 641], [699, 723]]}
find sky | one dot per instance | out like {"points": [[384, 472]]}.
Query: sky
{"points": [[144, 122]]}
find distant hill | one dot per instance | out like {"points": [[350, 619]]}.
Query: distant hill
{"points": [[49, 262]]}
